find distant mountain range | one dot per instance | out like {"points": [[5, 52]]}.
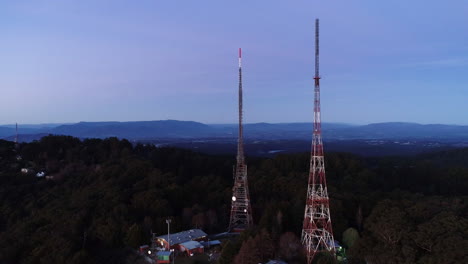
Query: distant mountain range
{"points": [[172, 129]]}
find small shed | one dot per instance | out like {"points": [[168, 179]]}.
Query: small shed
{"points": [[144, 249], [163, 257], [340, 251]]}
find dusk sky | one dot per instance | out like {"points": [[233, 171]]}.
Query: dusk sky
{"points": [[112, 60]]}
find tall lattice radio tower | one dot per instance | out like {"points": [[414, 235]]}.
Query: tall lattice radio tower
{"points": [[317, 232], [241, 212]]}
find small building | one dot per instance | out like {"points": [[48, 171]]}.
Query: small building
{"points": [[191, 248], [177, 238], [340, 251], [336, 244], [145, 249], [163, 257]]}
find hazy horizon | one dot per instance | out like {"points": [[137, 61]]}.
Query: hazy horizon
{"points": [[245, 123]]}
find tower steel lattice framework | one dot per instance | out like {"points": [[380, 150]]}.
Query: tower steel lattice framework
{"points": [[317, 232], [241, 213]]}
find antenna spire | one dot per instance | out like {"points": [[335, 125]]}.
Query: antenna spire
{"points": [[317, 48], [240, 141]]}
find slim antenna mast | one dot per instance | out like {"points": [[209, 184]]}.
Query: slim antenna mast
{"points": [[240, 141]]}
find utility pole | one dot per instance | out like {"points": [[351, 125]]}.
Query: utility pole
{"points": [[241, 212], [317, 232], [168, 222]]}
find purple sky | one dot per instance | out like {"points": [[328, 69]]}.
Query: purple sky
{"points": [[88, 60]]}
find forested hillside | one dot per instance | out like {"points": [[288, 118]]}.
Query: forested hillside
{"points": [[103, 198]]}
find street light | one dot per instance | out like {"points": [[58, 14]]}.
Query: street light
{"points": [[168, 221]]}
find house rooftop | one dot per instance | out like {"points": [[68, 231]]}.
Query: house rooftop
{"points": [[189, 245], [163, 253], [211, 243], [184, 236]]}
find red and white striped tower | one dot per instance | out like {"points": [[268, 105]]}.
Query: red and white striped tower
{"points": [[241, 212], [317, 232]]}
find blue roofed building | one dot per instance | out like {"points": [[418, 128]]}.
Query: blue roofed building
{"points": [[176, 239]]}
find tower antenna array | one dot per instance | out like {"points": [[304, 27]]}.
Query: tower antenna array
{"points": [[241, 212], [317, 232]]}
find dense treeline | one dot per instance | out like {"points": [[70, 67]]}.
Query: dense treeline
{"points": [[107, 196]]}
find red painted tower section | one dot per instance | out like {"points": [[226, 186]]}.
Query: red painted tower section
{"points": [[241, 212], [317, 232]]}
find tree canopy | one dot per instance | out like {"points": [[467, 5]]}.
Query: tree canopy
{"points": [[103, 198]]}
